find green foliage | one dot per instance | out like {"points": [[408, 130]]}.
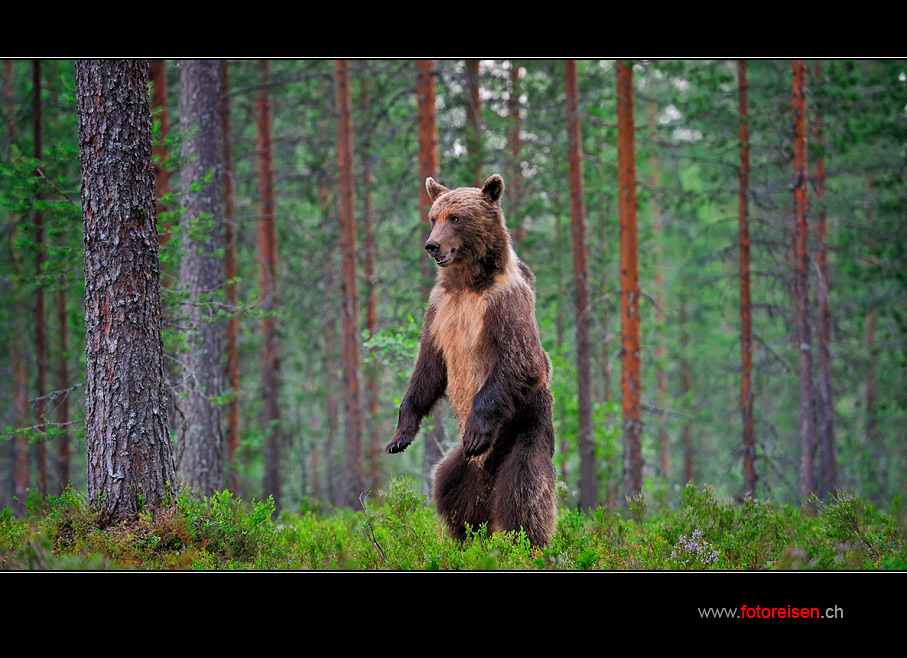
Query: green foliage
{"points": [[399, 530]]}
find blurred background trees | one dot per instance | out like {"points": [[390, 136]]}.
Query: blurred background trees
{"points": [[296, 131]]}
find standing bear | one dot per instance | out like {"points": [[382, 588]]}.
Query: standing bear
{"points": [[480, 346]]}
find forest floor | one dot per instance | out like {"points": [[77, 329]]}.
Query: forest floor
{"points": [[400, 531]]}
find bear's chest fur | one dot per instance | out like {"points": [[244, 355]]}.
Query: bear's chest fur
{"points": [[458, 331]]}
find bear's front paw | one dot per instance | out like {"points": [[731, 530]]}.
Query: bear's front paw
{"points": [[399, 444], [475, 444]]}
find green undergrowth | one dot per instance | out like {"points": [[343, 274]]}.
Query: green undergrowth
{"points": [[397, 529]]}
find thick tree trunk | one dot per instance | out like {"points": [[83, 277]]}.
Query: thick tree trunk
{"points": [[349, 298], [232, 438], [268, 276], [588, 485], [429, 165], [200, 457], [808, 484], [130, 461], [746, 324], [825, 403], [629, 283]]}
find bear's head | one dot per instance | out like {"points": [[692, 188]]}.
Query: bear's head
{"points": [[467, 226]]}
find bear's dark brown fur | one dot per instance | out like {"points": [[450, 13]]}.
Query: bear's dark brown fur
{"points": [[480, 346]]}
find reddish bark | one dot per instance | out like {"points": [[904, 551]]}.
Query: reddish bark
{"points": [[629, 283], [429, 165], [267, 248], [588, 484], [808, 484], [515, 184], [746, 327], [349, 312]]}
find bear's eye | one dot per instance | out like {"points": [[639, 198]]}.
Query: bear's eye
{"points": [[454, 219]]}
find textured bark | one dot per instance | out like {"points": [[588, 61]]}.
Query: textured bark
{"points": [[232, 438], [473, 116], [40, 320], [200, 456], [130, 461], [661, 375], [588, 486], [825, 404], [429, 165], [629, 283], [808, 484], [267, 250], [349, 297], [746, 324]]}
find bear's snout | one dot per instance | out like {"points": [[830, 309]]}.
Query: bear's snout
{"points": [[432, 248]]}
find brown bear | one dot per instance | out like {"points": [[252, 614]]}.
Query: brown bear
{"points": [[480, 346]]}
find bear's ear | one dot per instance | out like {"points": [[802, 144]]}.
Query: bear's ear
{"points": [[434, 189], [493, 189]]}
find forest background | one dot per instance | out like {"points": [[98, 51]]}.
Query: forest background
{"points": [[302, 400]]}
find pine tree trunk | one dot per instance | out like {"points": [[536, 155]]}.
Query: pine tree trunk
{"points": [[349, 312], [473, 116], [130, 461], [40, 320], [746, 326], [808, 483], [629, 283], [232, 438], [200, 458], [825, 405], [515, 184], [268, 277], [588, 485], [429, 165]]}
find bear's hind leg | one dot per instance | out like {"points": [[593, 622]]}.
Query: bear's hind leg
{"points": [[525, 494], [462, 492]]}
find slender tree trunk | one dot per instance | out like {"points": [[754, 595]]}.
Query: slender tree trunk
{"points": [[629, 283], [808, 483], [231, 289], [515, 184], [661, 374], [560, 321], [372, 370], [349, 313], [429, 165], [588, 485], [268, 277], [40, 320], [746, 324], [18, 347], [473, 115], [130, 461], [330, 340], [825, 401], [200, 461]]}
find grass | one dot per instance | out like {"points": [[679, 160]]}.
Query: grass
{"points": [[399, 530]]}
